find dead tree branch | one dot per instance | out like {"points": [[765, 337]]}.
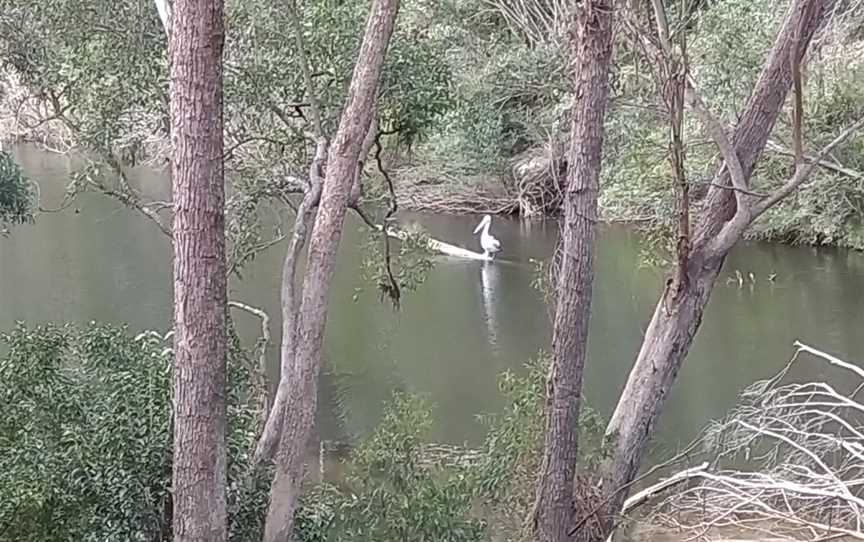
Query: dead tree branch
{"points": [[788, 461], [777, 148], [802, 173], [264, 342]]}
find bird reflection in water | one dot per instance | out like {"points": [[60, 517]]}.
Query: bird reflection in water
{"points": [[489, 280]]}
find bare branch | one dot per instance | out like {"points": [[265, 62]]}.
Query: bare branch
{"points": [[676, 72], [775, 147], [641, 497], [732, 230], [393, 291], [802, 468], [662, 26], [229, 152], [803, 173], [264, 398], [365, 217], [131, 200], [727, 187], [830, 359], [314, 107], [235, 264], [164, 9]]}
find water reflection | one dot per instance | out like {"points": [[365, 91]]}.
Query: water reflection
{"points": [[465, 325], [488, 284]]}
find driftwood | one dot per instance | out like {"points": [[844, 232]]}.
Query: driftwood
{"points": [[788, 462], [436, 246]]}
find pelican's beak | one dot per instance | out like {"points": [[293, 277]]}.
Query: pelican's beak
{"points": [[479, 227]]}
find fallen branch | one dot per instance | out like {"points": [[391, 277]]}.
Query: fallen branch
{"points": [[435, 245], [641, 497], [777, 148], [795, 462]]}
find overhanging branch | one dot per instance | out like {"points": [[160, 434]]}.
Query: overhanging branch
{"points": [[803, 172]]}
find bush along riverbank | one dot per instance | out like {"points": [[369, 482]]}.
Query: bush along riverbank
{"points": [[474, 112]]}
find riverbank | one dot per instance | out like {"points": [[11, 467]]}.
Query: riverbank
{"points": [[528, 191]]}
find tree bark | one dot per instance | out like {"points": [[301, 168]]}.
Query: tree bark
{"points": [[591, 50], [323, 244], [269, 438], [679, 312], [199, 472], [272, 430]]}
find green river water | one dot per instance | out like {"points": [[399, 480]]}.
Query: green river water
{"points": [[463, 327]]}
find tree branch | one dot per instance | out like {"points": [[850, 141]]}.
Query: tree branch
{"points": [[272, 431], [394, 292], [314, 107], [803, 172], [662, 27], [775, 147], [262, 355], [131, 200], [798, 107], [732, 230], [164, 9], [229, 152]]}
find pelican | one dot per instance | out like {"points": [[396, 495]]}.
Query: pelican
{"points": [[489, 244]]}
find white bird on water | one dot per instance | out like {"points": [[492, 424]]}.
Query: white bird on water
{"points": [[489, 244]]}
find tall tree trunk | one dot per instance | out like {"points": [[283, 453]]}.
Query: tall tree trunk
{"points": [[591, 50], [323, 244], [679, 312], [199, 475]]}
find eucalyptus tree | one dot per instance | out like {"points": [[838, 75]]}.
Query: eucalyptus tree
{"points": [[728, 209], [283, 106], [591, 52], [200, 281]]}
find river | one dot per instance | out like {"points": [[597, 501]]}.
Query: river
{"points": [[465, 325]]}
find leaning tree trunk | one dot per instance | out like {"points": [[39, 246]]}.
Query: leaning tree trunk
{"points": [[199, 475], [323, 244], [591, 50], [679, 312]]}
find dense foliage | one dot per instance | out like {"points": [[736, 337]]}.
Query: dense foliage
{"points": [[16, 198], [511, 98], [389, 493], [475, 97], [85, 436], [92, 77], [85, 451]]}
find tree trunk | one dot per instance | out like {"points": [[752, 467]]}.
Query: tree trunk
{"points": [[591, 49], [199, 475], [679, 312], [323, 244]]}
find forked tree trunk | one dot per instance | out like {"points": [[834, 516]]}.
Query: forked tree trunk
{"points": [[591, 50], [199, 475], [679, 312], [323, 244]]}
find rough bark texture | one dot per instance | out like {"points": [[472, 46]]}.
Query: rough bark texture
{"points": [[290, 310], [679, 312], [323, 244], [591, 47], [200, 302]]}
